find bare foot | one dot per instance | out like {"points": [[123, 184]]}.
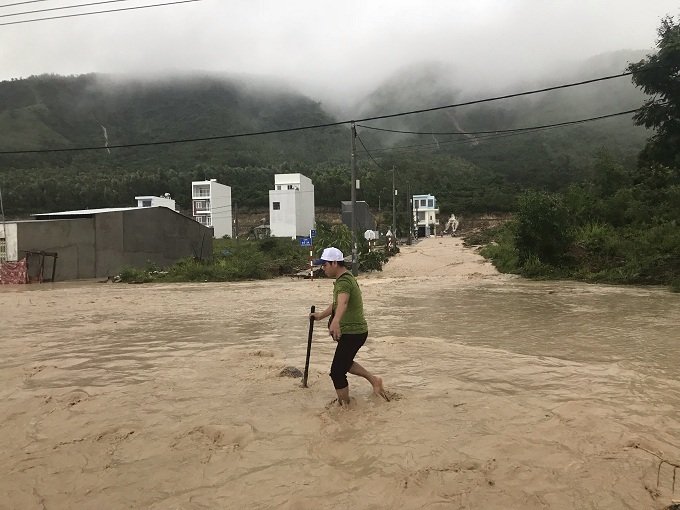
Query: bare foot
{"points": [[378, 388]]}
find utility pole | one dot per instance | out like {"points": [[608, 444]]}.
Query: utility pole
{"points": [[409, 213], [2, 211], [4, 236], [2, 208], [235, 233], [355, 264], [394, 214]]}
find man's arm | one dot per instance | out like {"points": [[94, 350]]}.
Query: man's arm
{"points": [[317, 316], [340, 309]]}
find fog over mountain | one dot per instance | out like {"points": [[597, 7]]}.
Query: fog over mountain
{"points": [[336, 52]]}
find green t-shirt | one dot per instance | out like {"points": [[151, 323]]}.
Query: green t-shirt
{"points": [[353, 320]]}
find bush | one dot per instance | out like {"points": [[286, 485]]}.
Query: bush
{"points": [[503, 256], [132, 275], [534, 268], [372, 261], [498, 246], [542, 230], [339, 236], [675, 285]]}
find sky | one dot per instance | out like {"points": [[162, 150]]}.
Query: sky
{"points": [[330, 50]]}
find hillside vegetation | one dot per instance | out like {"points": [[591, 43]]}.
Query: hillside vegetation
{"points": [[619, 225], [466, 175]]}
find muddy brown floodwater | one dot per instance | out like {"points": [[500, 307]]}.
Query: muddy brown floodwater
{"points": [[508, 394]]}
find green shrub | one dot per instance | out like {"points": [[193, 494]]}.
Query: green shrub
{"points": [[542, 230], [534, 268], [675, 285], [503, 256], [132, 275], [327, 235], [372, 261]]}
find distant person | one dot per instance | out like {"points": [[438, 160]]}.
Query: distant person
{"points": [[346, 325]]}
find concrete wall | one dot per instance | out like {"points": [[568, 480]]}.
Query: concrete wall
{"points": [[220, 209], [8, 231], [282, 221], [305, 207], [103, 244], [296, 216], [73, 240], [136, 237]]}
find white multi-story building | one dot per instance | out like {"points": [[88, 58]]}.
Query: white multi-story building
{"points": [[291, 206], [425, 212], [152, 201], [211, 206]]}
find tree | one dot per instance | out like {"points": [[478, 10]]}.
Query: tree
{"points": [[659, 76]]}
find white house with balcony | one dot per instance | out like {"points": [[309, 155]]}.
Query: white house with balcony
{"points": [[291, 206], [425, 211], [211, 206], [153, 201]]}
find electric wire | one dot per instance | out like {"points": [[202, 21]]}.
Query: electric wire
{"points": [[316, 126], [22, 3], [475, 139], [62, 8], [413, 148], [369, 154], [99, 12], [512, 130]]}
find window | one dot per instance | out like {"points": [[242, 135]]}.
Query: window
{"points": [[146, 203], [278, 187], [430, 203], [201, 191], [423, 203], [276, 206], [3, 249], [202, 205]]}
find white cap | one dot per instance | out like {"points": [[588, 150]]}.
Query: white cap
{"points": [[329, 255]]}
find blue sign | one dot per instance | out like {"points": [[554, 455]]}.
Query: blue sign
{"points": [[312, 233], [305, 241]]}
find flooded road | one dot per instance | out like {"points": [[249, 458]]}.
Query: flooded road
{"points": [[508, 394]]}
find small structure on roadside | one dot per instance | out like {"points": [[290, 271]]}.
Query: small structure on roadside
{"points": [[364, 218]]}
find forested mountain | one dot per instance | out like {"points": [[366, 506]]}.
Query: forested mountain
{"points": [[548, 157], [46, 112]]}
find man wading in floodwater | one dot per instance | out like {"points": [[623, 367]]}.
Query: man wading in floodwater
{"points": [[347, 325]]}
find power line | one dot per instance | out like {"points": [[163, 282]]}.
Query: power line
{"points": [[62, 8], [100, 12], [369, 153], [558, 124], [185, 140], [412, 148], [507, 96], [489, 135], [21, 3], [317, 126]]}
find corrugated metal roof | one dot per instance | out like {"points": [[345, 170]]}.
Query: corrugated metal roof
{"points": [[84, 212]]}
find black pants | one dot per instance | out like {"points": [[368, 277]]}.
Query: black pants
{"points": [[348, 346]]}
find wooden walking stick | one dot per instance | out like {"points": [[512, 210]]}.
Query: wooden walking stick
{"points": [[309, 348]]}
